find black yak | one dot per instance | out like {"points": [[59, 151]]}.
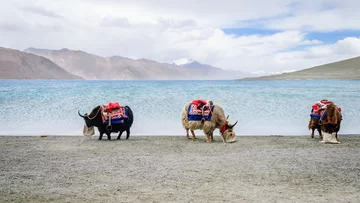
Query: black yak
{"points": [[99, 118]]}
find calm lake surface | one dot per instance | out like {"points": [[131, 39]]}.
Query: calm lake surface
{"points": [[261, 107]]}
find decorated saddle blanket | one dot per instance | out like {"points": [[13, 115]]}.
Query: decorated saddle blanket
{"points": [[318, 110], [118, 114], [195, 113]]}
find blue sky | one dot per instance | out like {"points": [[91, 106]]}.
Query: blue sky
{"points": [[325, 37], [332, 37]]}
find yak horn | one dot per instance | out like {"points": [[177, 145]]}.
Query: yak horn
{"points": [[231, 126], [80, 114], [227, 117]]}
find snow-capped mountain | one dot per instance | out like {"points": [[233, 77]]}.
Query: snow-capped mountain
{"points": [[182, 61]]}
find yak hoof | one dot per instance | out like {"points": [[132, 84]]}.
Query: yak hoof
{"points": [[194, 138]]}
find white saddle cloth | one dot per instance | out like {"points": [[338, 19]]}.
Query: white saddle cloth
{"points": [[329, 138]]}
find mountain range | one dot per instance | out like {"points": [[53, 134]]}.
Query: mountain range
{"points": [[34, 63], [93, 67], [15, 64]]}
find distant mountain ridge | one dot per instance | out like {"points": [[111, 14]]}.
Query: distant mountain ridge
{"points": [[93, 67], [208, 70], [348, 69], [15, 64]]}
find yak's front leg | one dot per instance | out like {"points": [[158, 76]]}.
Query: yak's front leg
{"points": [[101, 132], [118, 138], [108, 135], [101, 135], [193, 135], [127, 133]]}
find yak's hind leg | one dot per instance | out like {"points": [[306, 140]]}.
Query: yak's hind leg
{"points": [[187, 133], [320, 134], [312, 132], [212, 136], [118, 138], [127, 133], [193, 135], [208, 136]]}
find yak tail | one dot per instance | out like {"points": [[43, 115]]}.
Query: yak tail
{"points": [[131, 116]]}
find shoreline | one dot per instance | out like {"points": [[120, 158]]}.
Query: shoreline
{"points": [[114, 135], [174, 169]]}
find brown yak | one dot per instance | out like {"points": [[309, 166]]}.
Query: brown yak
{"points": [[331, 122], [218, 121]]}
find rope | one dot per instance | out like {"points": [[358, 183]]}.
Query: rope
{"points": [[95, 115]]}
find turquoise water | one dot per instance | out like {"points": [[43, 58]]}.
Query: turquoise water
{"points": [[261, 107]]}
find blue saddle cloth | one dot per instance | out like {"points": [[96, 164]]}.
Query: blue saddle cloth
{"points": [[194, 114], [118, 118], [318, 115]]}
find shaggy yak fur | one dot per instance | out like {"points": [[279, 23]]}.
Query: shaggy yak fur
{"points": [[94, 119], [218, 121], [332, 120]]}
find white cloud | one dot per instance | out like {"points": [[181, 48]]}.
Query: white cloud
{"points": [[167, 30], [342, 49], [311, 42], [322, 16]]}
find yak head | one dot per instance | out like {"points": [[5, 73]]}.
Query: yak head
{"points": [[227, 131], [91, 119]]}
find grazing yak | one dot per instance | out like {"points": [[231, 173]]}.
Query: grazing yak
{"points": [[214, 118], [122, 119], [325, 117], [330, 124]]}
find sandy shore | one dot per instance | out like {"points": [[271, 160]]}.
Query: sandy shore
{"points": [[173, 169]]}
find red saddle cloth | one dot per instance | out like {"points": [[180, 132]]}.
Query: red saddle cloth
{"points": [[114, 110], [321, 105], [112, 106], [199, 103], [197, 106], [319, 109]]}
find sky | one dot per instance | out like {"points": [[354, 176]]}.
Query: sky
{"points": [[254, 36]]}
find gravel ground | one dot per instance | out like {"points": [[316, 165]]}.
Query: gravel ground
{"points": [[174, 169]]}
